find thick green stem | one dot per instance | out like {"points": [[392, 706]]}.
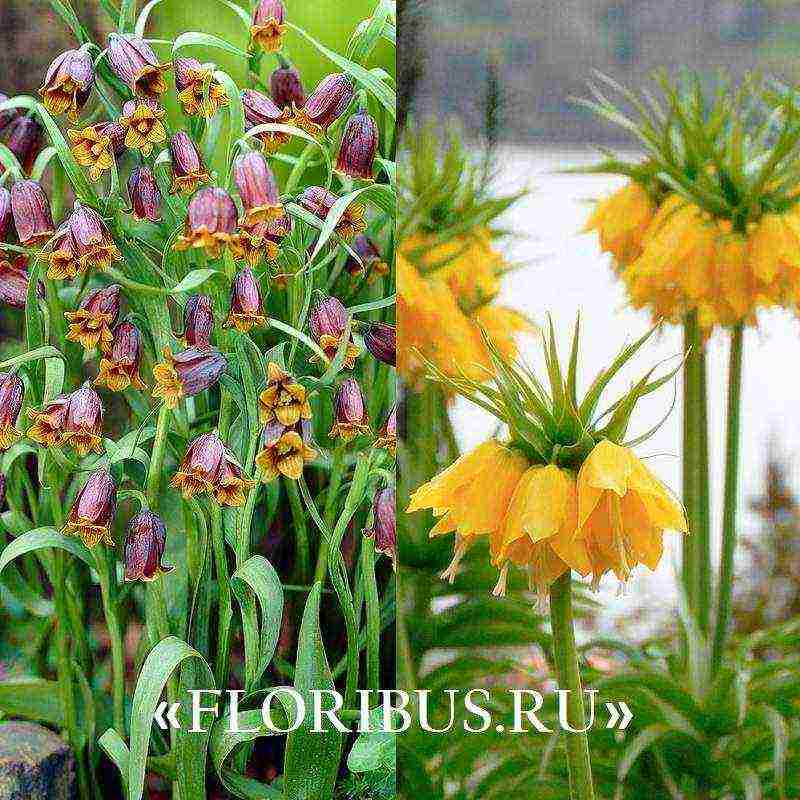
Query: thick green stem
{"points": [[104, 570], [703, 531], [691, 391], [729, 512], [569, 678], [373, 605], [245, 521]]}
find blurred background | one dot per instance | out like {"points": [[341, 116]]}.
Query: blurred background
{"points": [[538, 56]]}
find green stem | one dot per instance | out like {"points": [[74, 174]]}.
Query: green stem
{"points": [[63, 662], [104, 571], [373, 605], [731, 500], [245, 521], [225, 608], [691, 389], [569, 677], [65, 676], [703, 531], [300, 529], [157, 457], [334, 483]]}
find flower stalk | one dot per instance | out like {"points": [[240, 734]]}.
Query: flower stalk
{"points": [[731, 496], [569, 678]]}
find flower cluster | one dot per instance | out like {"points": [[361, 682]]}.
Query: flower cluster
{"points": [[562, 492], [695, 231], [448, 284]]}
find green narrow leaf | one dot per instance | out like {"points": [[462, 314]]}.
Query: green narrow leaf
{"points": [[383, 93], [380, 193], [256, 578], [197, 277], [32, 698], [235, 114], [42, 538], [32, 355], [312, 759], [162, 661], [194, 38], [141, 22]]}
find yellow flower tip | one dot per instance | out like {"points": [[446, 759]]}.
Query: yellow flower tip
{"points": [[623, 511], [89, 533], [461, 548], [168, 385], [8, 435], [500, 587]]}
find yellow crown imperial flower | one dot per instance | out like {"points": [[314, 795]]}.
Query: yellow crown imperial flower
{"points": [[565, 492], [471, 496], [708, 223], [623, 511], [538, 531]]}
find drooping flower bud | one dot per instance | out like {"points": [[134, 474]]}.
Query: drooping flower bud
{"points": [[359, 147], [210, 223], [33, 218], [260, 109], [48, 424], [325, 104], [12, 392], [96, 315], [269, 24], [135, 63], [95, 246], [187, 373], [286, 87], [144, 194], [119, 368], [283, 400], [191, 79], [284, 451], [387, 435], [262, 240], [369, 259], [24, 137], [381, 340], [64, 260], [384, 526], [143, 122], [188, 169], [68, 83], [328, 323], [257, 188], [350, 417], [201, 467], [145, 541], [92, 513], [14, 282], [97, 146], [83, 421], [232, 486], [246, 305], [319, 201], [198, 321]]}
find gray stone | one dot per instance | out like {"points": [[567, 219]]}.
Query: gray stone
{"points": [[35, 764]]}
